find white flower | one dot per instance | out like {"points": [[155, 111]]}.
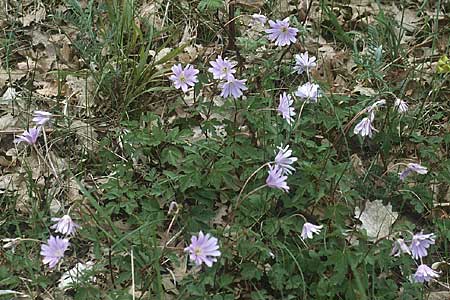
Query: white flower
{"points": [[65, 225], [309, 92], [424, 273], [400, 247], [364, 128], [261, 19], [420, 243], [401, 106], [173, 206], [284, 160], [304, 63], [378, 104], [412, 167], [285, 108], [41, 117], [309, 229]]}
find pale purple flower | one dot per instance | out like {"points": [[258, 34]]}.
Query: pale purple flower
{"points": [[29, 136], [276, 179], [54, 250], [232, 87], [303, 62], [281, 33], [309, 229], [183, 78], [261, 19], [401, 106], [364, 128], [65, 225], [285, 107], [412, 167], [203, 249], [41, 117], [419, 244], [222, 68], [284, 160], [400, 247], [424, 273], [309, 92]]}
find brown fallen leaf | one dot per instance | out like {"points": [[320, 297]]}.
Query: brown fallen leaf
{"points": [[83, 89], [49, 89], [8, 121], [36, 16], [251, 4]]}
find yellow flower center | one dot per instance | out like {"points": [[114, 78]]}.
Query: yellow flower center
{"points": [[59, 252], [198, 251]]}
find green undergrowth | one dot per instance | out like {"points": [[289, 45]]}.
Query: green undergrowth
{"points": [[155, 147]]}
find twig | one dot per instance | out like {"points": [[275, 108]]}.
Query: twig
{"points": [[133, 290]]}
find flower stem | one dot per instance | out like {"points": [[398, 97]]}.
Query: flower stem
{"points": [[248, 195], [245, 184]]}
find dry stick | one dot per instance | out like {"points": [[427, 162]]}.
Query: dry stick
{"points": [[173, 220], [46, 163], [132, 275], [20, 130], [393, 166], [48, 155], [232, 32], [110, 264]]}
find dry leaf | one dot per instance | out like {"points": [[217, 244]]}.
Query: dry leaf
{"points": [[366, 91], [57, 162], [74, 275], [8, 121], [32, 164], [376, 219], [149, 11], [10, 182], [34, 16], [86, 134], [251, 4], [83, 89], [357, 165], [6, 75], [55, 206], [443, 295], [221, 212], [49, 89], [9, 95]]}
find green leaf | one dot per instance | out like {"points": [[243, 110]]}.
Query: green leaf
{"points": [[250, 271], [171, 155], [210, 4]]}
